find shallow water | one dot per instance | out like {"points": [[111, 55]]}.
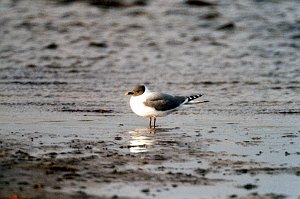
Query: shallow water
{"points": [[223, 146], [64, 69]]}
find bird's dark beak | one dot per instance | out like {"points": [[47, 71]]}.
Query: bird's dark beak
{"points": [[128, 93]]}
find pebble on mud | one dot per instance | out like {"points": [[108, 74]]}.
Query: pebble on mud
{"points": [[38, 186], [31, 66], [211, 16], [227, 26], [202, 172], [117, 3], [249, 186], [159, 157], [145, 190], [56, 187], [199, 3], [51, 46], [98, 44], [118, 138]]}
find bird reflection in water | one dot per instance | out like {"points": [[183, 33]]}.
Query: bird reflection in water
{"points": [[140, 142]]}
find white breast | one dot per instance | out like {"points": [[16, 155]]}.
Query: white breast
{"points": [[138, 107]]}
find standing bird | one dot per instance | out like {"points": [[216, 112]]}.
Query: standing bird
{"points": [[145, 103]]}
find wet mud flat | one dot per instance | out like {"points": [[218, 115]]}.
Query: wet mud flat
{"points": [[70, 155], [66, 130]]}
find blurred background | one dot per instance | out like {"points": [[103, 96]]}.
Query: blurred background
{"points": [[82, 55]]}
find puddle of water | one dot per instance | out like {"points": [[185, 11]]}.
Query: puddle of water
{"points": [[139, 143], [215, 138]]}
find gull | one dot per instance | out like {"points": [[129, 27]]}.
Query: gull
{"points": [[145, 103]]}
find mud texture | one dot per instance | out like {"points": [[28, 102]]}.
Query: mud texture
{"points": [[66, 129]]}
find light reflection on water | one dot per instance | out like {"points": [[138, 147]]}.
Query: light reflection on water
{"points": [[142, 139], [139, 142]]}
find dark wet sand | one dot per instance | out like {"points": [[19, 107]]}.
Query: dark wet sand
{"points": [[66, 130]]}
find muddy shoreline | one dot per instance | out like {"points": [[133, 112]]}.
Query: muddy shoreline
{"points": [[71, 157], [66, 129]]}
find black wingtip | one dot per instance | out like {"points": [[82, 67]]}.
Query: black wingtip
{"points": [[192, 97]]}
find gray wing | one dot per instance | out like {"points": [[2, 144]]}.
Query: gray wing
{"points": [[164, 102]]}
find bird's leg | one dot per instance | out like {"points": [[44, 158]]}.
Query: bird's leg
{"points": [[154, 122], [150, 122]]}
